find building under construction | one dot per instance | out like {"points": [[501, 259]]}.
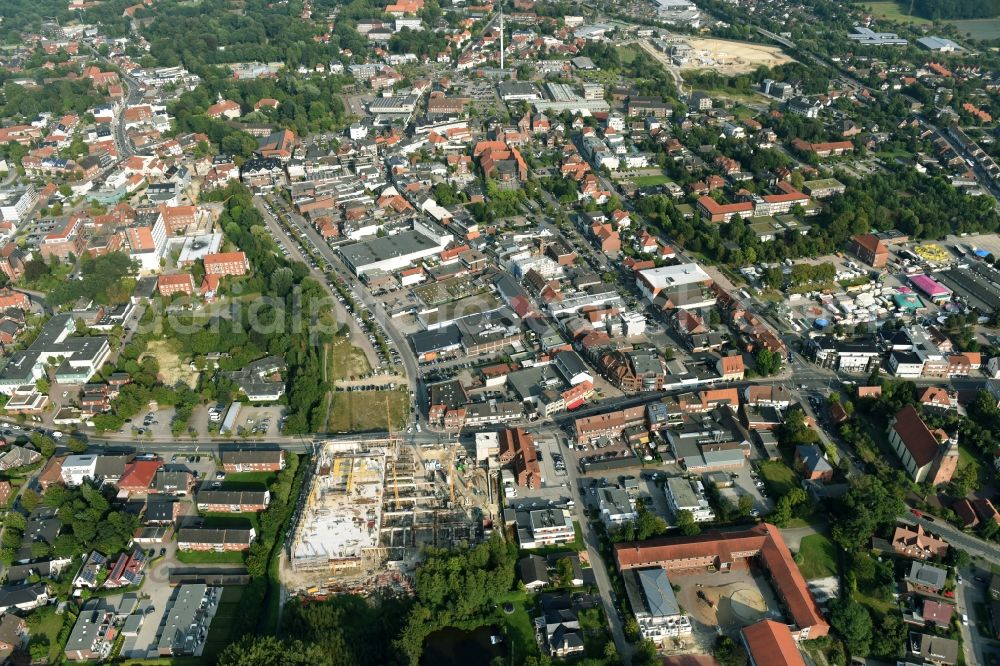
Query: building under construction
{"points": [[371, 507]]}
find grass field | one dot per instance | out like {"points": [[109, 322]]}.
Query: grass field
{"points": [[626, 54], [893, 11], [345, 360], [816, 557], [979, 28], [256, 478], [363, 411], [518, 626], [209, 557], [966, 458], [48, 626], [650, 181], [232, 521], [778, 476], [220, 632]]}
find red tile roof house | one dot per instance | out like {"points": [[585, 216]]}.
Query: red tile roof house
{"points": [[717, 212], [770, 643], [139, 475], [724, 550], [168, 285], [917, 544], [226, 263], [937, 613], [927, 457]]}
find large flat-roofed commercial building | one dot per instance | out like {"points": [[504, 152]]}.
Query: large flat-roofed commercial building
{"points": [[390, 253], [722, 550], [77, 358], [681, 286], [869, 37], [401, 104]]}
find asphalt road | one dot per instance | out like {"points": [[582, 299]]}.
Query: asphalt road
{"points": [[592, 540], [369, 301], [973, 545]]}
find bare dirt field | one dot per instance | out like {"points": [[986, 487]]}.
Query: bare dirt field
{"points": [[727, 57], [173, 368]]}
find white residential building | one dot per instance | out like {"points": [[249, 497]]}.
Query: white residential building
{"points": [[78, 468], [685, 495], [616, 507]]}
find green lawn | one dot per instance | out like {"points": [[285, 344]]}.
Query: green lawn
{"points": [[255, 478], [967, 457], [519, 626], [209, 557], [47, 624], [232, 521], [220, 632], [779, 477], [364, 411], [626, 54], [892, 11], [650, 181], [816, 557]]}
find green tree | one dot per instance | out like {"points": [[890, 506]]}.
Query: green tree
{"points": [[687, 524], [744, 505], [30, 500], [728, 653], [564, 571], [767, 362], [38, 647], [852, 621], [76, 445], [272, 651]]}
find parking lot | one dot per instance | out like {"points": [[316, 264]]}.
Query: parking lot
{"points": [[747, 482], [261, 421]]}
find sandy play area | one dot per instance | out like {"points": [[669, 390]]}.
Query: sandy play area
{"points": [[728, 57], [731, 600]]}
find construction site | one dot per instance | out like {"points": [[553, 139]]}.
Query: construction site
{"points": [[371, 507]]}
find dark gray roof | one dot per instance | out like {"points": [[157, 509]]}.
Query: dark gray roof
{"points": [[213, 536], [232, 496], [160, 509], [446, 337], [244, 456], [12, 595], [533, 569]]}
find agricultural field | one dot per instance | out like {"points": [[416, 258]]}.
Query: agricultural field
{"points": [[893, 11]]}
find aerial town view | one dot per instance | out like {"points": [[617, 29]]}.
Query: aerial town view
{"points": [[521, 333]]}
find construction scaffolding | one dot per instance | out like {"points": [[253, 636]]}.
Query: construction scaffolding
{"points": [[371, 507], [339, 527]]}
